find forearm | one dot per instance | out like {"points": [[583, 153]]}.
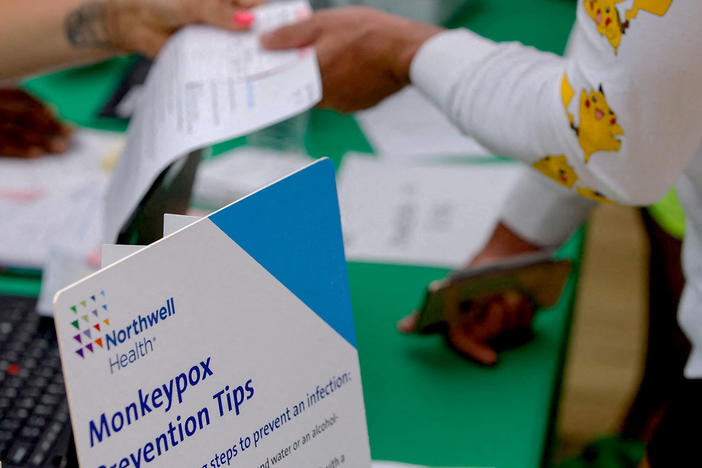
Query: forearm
{"points": [[558, 114], [44, 34]]}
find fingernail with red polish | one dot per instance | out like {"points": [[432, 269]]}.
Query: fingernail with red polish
{"points": [[243, 18]]}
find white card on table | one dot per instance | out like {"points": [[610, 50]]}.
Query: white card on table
{"points": [[227, 343]]}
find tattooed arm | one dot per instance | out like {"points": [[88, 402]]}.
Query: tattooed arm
{"points": [[42, 34]]}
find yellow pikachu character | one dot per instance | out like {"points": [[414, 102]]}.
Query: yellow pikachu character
{"points": [[656, 7], [604, 13], [558, 169], [593, 195], [598, 125]]}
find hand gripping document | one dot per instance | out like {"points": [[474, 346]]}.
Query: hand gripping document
{"points": [[227, 343]]}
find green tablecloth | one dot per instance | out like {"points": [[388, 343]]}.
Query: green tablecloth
{"points": [[424, 403]]}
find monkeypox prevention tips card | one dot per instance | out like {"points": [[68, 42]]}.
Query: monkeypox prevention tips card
{"points": [[227, 343]]}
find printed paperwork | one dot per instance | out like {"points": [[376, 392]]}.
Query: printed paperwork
{"points": [[407, 127], [209, 85], [55, 200], [420, 215]]}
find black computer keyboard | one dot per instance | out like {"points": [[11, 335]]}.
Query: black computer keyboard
{"points": [[34, 420]]}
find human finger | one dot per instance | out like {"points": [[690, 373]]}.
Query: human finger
{"points": [[292, 36], [520, 308], [467, 344], [232, 15], [13, 148], [408, 324], [486, 320]]}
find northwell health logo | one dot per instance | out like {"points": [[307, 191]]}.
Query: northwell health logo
{"points": [[90, 322], [95, 332]]}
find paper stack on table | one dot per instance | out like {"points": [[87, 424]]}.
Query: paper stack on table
{"points": [[55, 199], [437, 215], [209, 85]]}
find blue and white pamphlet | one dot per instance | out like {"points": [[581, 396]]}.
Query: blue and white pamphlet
{"points": [[227, 343]]}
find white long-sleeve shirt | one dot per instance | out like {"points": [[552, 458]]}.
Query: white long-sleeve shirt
{"points": [[618, 119]]}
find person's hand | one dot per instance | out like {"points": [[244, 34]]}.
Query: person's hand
{"points": [[144, 26], [28, 128], [364, 54], [503, 317]]}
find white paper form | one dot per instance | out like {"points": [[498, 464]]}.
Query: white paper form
{"points": [[407, 127], [209, 85], [438, 215], [56, 199], [228, 177]]}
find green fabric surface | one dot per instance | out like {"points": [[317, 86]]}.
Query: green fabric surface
{"points": [[20, 284], [424, 403]]}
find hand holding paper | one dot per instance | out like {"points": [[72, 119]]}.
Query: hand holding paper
{"points": [[210, 85], [357, 46], [144, 26]]}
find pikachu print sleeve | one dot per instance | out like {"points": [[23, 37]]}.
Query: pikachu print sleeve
{"points": [[617, 119]]}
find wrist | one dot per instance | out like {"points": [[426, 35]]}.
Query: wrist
{"points": [[503, 243], [117, 14], [406, 45]]}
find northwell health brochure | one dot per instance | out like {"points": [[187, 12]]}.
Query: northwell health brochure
{"points": [[203, 349]]}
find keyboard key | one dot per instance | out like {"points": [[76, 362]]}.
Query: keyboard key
{"points": [[32, 392], [61, 416], [40, 345], [26, 402], [50, 400], [9, 392], [38, 458], [37, 421], [46, 371], [14, 382], [29, 363], [18, 452], [9, 425], [36, 352], [55, 389], [42, 410], [19, 414], [30, 433], [13, 369], [6, 328]]}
